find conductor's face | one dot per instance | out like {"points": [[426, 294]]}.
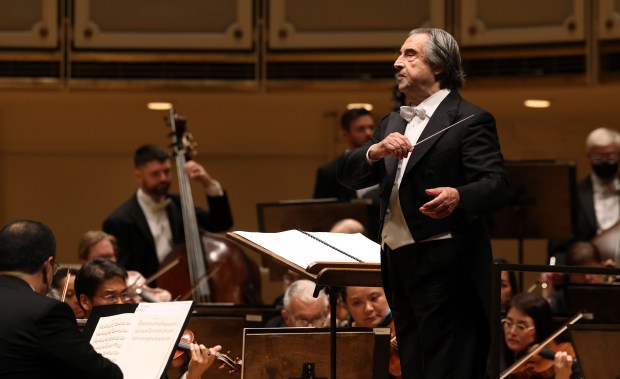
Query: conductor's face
{"points": [[416, 79], [154, 178]]}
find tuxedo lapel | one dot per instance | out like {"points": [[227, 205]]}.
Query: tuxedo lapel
{"points": [[443, 117]]}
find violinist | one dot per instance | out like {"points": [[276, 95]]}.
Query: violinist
{"points": [[97, 243], [528, 322], [149, 224], [102, 282], [369, 308], [59, 283], [38, 335]]}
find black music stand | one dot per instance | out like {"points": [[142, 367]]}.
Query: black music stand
{"points": [[541, 205]]}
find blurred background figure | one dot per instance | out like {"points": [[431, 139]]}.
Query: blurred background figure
{"points": [[99, 244], [59, 282], [508, 284]]}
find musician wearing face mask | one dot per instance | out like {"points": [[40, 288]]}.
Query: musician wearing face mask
{"points": [[38, 334], [598, 195]]}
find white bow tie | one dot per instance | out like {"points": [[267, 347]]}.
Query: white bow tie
{"points": [[409, 112]]}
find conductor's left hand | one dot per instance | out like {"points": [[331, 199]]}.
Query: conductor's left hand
{"points": [[445, 200]]}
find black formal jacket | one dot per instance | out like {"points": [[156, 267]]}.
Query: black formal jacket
{"points": [[136, 247], [327, 184], [39, 338], [466, 157]]}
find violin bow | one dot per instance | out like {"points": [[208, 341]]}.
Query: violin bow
{"points": [[541, 346], [188, 295], [64, 291], [156, 275]]}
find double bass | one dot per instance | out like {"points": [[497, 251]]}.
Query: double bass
{"points": [[211, 268]]}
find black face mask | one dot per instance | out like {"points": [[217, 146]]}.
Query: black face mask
{"points": [[605, 170]]}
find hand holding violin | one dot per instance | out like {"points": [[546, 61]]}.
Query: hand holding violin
{"points": [[563, 363], [201, 359]]}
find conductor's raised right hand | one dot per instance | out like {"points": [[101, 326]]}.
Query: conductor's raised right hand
{"points": [[395, 144]]}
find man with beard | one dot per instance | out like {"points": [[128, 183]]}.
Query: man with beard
{"points": [[150, 223]]}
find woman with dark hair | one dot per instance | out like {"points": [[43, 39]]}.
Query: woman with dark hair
{"points": [[528, 322], [508, 283]]}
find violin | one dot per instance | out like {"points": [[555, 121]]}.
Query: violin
{"points": [[181, 356], [541, 366], [394, 365], [527, 359]]}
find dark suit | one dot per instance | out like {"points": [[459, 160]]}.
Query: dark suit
{"points": [[136, 247], [585, 225], [39, 338], [327, 184], [439, 291]]}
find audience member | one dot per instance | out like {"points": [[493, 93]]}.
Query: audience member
{"points": [[38, 334], [149, 224]]}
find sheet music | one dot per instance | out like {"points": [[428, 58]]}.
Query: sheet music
{"points": [[140, 343], [302, 250]]}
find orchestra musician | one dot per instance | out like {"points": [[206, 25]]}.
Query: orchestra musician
{"points": [[101, 282], [598, 195], [369, 308], [528, 322], [39, 337], [97, 243], [59, 283], [149, 224]]}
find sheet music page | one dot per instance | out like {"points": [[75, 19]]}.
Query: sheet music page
{"points": [[303, 250], [140, 343]]}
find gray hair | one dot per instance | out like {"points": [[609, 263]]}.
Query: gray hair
{"points": [[303, 290], [602, 137], [442, 52]]}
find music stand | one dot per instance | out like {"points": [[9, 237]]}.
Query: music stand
{"points": [[596, 347], [541, 205], [602, 300], [363, 353], [333, 275]]}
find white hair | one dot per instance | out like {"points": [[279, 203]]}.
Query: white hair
{"points": [[303, 290], [602, 137]]}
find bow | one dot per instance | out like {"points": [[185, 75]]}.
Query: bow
{"points": [[409, 112]]}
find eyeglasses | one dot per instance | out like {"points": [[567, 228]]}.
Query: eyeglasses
{"points": [[604, 158], [112, 298], [317, 322], [520, 326]]}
